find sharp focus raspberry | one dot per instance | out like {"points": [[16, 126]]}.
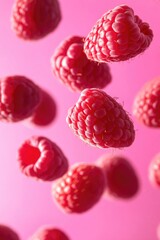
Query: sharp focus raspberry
{"points": [[154, 171], [80, 188], [6, 233], [19, 97], [121, 178], [118, 36], [49, 233], [34, 19], [71, 66], [100, 121], [147, 104], [40, 158], [45, 112]]}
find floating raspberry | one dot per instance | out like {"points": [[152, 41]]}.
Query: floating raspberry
{"points": [[100, 121], [32, 20], [147, 104], [45, 112], [6, 233], [49, 234], [80, 188], [154, 171], [71, 66], [121, 178], [19, 97], [42, 159], [118, 36]]}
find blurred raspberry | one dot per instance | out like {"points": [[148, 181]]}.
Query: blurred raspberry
{"points": [[154, 171], [121, 178], [147, 104], [6, 233], [42, 159], [73, 69], [45, 112], [80, 188], [49, 233], [19, 97], [32, 20], [118, 36], [100, 121]]}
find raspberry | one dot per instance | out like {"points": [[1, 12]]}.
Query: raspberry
{"points": [[71, 66], [100, 121], [45, 112], [80, 188], [117, 36], [49, 234], [121, 178], [42, 159], [19, 97], [32, 20], [6, 233], [154, 171], [147, 104]]}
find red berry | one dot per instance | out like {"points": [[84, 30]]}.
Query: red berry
{"points": [[80, 188], [71, 66], [6, 233], [117, 36], [154, 171], [45, 112], [42, 159], [19, 97], [147, 104], [32, 20], [100, 121], [121, 178], [49, 233]]}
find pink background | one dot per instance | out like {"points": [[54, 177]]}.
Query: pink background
{"points": [[26, 204]]}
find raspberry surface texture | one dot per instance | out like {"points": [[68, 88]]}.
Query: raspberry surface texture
{"points": [[71, 66], [19, 97], [121, 178], [154, 171], [6, 233], [80, 188], [100, 120], [117, 36], [34, 19], [49, 233], [146, 107], [41, 158], [46, 111]]}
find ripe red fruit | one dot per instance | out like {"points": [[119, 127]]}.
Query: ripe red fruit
{"points": [[121, 178], [73, 69], [147, 104], [154, 171], [32, 20], [19, 97], [117, 36], [40, 158], [80, 188], [100, 121], [6, 233], [49, 233]]}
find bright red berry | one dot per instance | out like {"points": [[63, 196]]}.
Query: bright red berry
{"points": [[154, 171], [49, 233], [121, 178], [6, 233], [45, 112], [147, 104], [41, 158], [19, 97], [117, 36], [80, 188], [100, 121], [73, 69], [34, 19]]}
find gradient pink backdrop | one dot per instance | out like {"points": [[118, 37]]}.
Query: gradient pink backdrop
{"points": [[26, 204]]}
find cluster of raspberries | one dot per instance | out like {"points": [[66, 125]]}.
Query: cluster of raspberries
{"points": [[81, 64]]}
